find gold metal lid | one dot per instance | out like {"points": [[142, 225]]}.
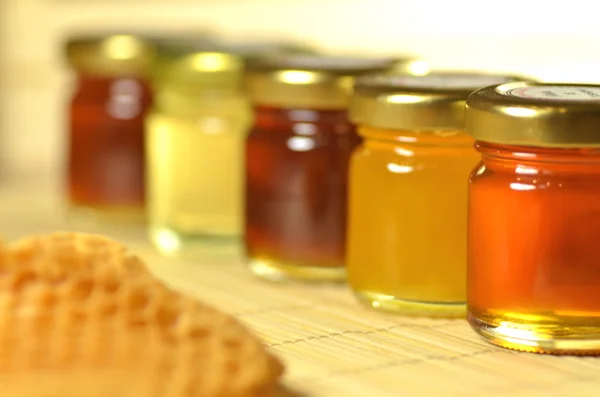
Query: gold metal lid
{"points": [[111, 55], [201, 70], [423, 103], [536, 114], [315, 82]]}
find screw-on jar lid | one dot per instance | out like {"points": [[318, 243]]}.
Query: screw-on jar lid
{"points": [[111, 55], [431, 102], [536, 114], [200, 70], [314, 82]]}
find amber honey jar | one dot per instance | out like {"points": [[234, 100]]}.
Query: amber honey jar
{"points": [[408, 192], [105, 172], [534, 217], [297, 157]]}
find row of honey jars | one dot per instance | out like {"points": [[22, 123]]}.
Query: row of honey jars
{"points": [[436, 221], [115, 83], [305, 160], [202, 149], [196, 133], [531, 264]]}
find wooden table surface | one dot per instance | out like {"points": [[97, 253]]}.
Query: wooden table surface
{"points": [[332, 346]]}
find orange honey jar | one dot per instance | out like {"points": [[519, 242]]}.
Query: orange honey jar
{"points": [[534, 217]]}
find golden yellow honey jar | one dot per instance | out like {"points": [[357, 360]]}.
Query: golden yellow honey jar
{"points": [[407, 209]]}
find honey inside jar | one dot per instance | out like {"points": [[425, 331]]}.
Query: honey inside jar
{"points": [[398, 195], [533, 275], [408, 192]]}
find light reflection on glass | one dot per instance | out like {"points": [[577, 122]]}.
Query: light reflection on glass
{"points": [[124, 102], [169, 240], [404, 152], [407, 138], [518, 336], [522, 186], [303, 115], [304, 129], [526, 155], [212, 125], [301, 144], [399, 169], [524, 170]]}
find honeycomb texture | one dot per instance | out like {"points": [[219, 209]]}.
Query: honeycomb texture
{"points": [[80, 316]]}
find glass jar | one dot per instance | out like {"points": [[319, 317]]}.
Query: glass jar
{"points": [[106, 125], [534, 217], [408, 192], [195, 146], [296, 165]]}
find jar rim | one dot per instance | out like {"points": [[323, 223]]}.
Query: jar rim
{"points": [[413, 136]]}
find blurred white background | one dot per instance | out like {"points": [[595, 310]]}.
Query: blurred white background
{"points": [[551, 40]]}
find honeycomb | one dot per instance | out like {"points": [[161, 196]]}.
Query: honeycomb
{"points": [[82, 317]]}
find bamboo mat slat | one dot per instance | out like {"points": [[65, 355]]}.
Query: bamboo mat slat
{"points": [[332, 346]]}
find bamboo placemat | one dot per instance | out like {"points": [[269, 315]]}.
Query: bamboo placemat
{"points": [[333, 347]]}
